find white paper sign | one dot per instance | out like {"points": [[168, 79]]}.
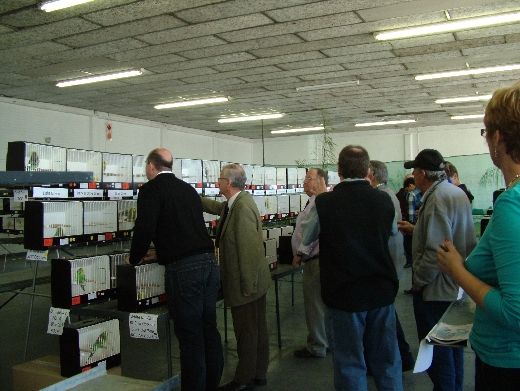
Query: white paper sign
{"points": [[143, 326], [57, 318], [37, 255], [20, 195], [424, 357]]}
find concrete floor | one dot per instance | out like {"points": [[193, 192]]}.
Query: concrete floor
{"points": [[146, 359]]}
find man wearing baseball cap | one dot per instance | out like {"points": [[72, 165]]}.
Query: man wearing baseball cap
{"points": [[445, 213]]}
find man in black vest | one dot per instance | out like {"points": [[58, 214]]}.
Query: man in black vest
{"points": [[358, 278]]}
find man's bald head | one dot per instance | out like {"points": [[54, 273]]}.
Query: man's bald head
{"points": [[161, 158]]}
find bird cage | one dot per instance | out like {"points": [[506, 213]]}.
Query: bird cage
{"points": [[191, 170], [86, 343], [210, 171], [249, 174], [271, 205], [99, 217], [292, 178], [83, 160], [117, 168], [80, 281], [283, 205], [140, 286], [295, 205], [139, 169], [52, 223], [302, 173], [25, 156], [260, 203], [115, 260], [281, 178], [126, 214]]}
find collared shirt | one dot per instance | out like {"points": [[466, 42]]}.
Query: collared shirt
{"points": [[232, 200], [313, 249], [414, 200]]}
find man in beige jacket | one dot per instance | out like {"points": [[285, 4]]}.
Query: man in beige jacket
{"points": [[245, 276]]}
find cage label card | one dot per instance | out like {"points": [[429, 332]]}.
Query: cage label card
{"points": [[143, 326], [37, 255], [57, 318], [20, 195]]}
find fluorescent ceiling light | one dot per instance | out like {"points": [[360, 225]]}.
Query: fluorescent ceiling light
{"points": [[464, 99], [403, 121], [49, 6], [455, 25], [465, 72], [297, 130], [252, 118], [190, 103], [468, 116], [95, 79], [327, 86]]}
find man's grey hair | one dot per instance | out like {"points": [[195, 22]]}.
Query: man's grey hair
{"points": [[322, 174], [236, 175], [379, 171], [435, 175]]}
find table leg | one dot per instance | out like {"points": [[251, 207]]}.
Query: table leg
{"points": [[169, 348], [277, 313]]}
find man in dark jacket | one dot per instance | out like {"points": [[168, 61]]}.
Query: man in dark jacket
{"points": [[358, 278], [170, 216]]}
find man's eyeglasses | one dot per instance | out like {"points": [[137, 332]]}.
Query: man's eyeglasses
{"points": [[306, 179]]}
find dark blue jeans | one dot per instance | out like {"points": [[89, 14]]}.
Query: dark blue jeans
{"points": [[447, 369], [191, 289]]}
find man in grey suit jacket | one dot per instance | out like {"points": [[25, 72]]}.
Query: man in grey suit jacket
{"points": [[245, 275]]}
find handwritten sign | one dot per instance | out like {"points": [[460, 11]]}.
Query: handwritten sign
{"points": [[143, 326], [37, 255], [57, 318]]}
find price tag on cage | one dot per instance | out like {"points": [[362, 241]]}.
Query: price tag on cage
{"points": [[37, 255], [143, 326], [20, 195], [57, 318]]}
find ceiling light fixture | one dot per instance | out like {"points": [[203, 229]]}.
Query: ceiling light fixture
{"points": [[463, 99], [250, 118], [455, 25], [327, 86], [465, 72], [55, 5], [467, 116], [297, 130], [190, 103], [403, 121], [95, 79]]}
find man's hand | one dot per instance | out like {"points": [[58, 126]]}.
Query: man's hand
{"points": [[319, 187], [296, 261], [405, 227], [127, 260]]}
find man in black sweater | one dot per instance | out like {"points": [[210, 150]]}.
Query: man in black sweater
{"points": [[169, 214], [358, 278]]}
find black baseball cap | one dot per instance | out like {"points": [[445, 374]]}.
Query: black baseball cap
{"points": [[427, 159]]}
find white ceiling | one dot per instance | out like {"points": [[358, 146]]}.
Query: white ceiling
{"points": [[256, 52]]}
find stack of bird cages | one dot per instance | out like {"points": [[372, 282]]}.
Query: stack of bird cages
{"points": [[99, 217], [81, 281], [139, 169], [115, 260], [25, 156], [117, 168], [140, 287], [83, 160], [52, 223], [85, 344], [126, 214]]}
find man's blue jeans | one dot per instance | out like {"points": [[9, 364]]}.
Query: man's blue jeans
{"points": [[191, 289], [447, 369], [347, 332]]}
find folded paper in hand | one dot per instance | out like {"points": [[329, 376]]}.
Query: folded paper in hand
{"points": [[448, 334]]}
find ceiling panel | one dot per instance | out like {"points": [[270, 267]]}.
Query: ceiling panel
{"points": [[256, 52]]}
